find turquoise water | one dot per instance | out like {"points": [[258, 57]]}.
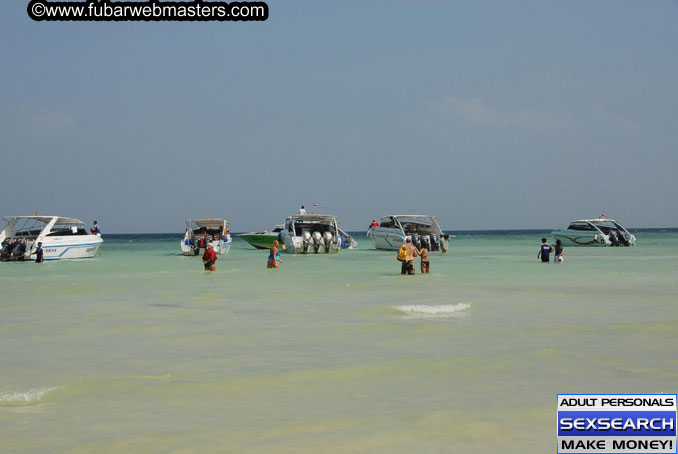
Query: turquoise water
{"points": [[140, 350]]}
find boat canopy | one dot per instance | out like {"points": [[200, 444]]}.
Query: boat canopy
{"points": [[43, 219], [407, 221], [603, 224], [197, 223], [31, 226], [314, 218]]}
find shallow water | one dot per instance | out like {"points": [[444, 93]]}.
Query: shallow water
{"points": [[140, 350]]}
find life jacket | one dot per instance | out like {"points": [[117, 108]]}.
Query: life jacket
{"points": [[402, 253]]}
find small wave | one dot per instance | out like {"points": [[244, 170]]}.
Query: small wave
{"points": [[164, 377], [26, 397], [444, 310]]}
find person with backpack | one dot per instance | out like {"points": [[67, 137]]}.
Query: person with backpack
{"points": [[406, 255]]}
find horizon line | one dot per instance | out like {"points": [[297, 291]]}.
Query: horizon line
{"points": [[358, 231]]}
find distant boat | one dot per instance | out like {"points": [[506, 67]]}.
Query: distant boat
{"points": [[201, 232], [393, 230], [61, 238], [595, 232], [263, 239]]}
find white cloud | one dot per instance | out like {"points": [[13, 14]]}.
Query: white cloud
{"points": [[535, 120], [478, 113]]}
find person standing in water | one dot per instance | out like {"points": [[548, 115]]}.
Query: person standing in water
{"points": [[425, 264], [445, 242], [544, 251], [209, 258], [559, 252], [39, 253], [274, 255], [407, 266]]}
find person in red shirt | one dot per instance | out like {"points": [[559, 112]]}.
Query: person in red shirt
{"points": [[209, 258], [374, 223]]}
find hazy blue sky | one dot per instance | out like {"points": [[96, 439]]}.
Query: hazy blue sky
{"points": [[486, 114]]}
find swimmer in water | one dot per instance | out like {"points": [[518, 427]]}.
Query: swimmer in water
{"points": [[274, 256]]}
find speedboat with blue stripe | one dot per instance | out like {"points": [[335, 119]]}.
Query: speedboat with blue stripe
{"points": [[61, 238]]}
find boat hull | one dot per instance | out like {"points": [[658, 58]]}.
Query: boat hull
{"points": [[387, 239], [577, 238], [221, 247], [57, 248], [260, 240]]}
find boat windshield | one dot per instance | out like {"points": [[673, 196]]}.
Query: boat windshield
{"points": [[581, 226], [211, 229], [67, 229], [422, 225], [609, 225], [388, 222]]}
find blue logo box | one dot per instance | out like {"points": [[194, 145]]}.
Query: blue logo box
{"points": [[617, 423]]}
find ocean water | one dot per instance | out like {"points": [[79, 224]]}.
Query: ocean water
{"points": [[140, 350]]}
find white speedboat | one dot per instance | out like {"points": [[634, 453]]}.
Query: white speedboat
{"points": [[61, 238], [393, 230], [595, 232], [201, 232], [312, 234]]}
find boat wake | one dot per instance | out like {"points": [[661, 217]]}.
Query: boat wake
{"points": [[438, 311]]}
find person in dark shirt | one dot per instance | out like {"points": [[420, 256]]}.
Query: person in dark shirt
{"points": [[544, 251], [209, 258], [558, 252], [39, 253]]}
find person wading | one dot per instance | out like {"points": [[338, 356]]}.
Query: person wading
{"points": [[407, 266], [209, 258]]}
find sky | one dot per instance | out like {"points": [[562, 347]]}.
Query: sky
{"points": [[488, 115]]}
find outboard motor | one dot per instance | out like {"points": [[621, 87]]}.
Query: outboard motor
{"points": [[6, 251], [317, 241], [19, 250], [622, 240], [306, 241], [416, 240], [426, 242], [435, 242], [328, 237]]}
